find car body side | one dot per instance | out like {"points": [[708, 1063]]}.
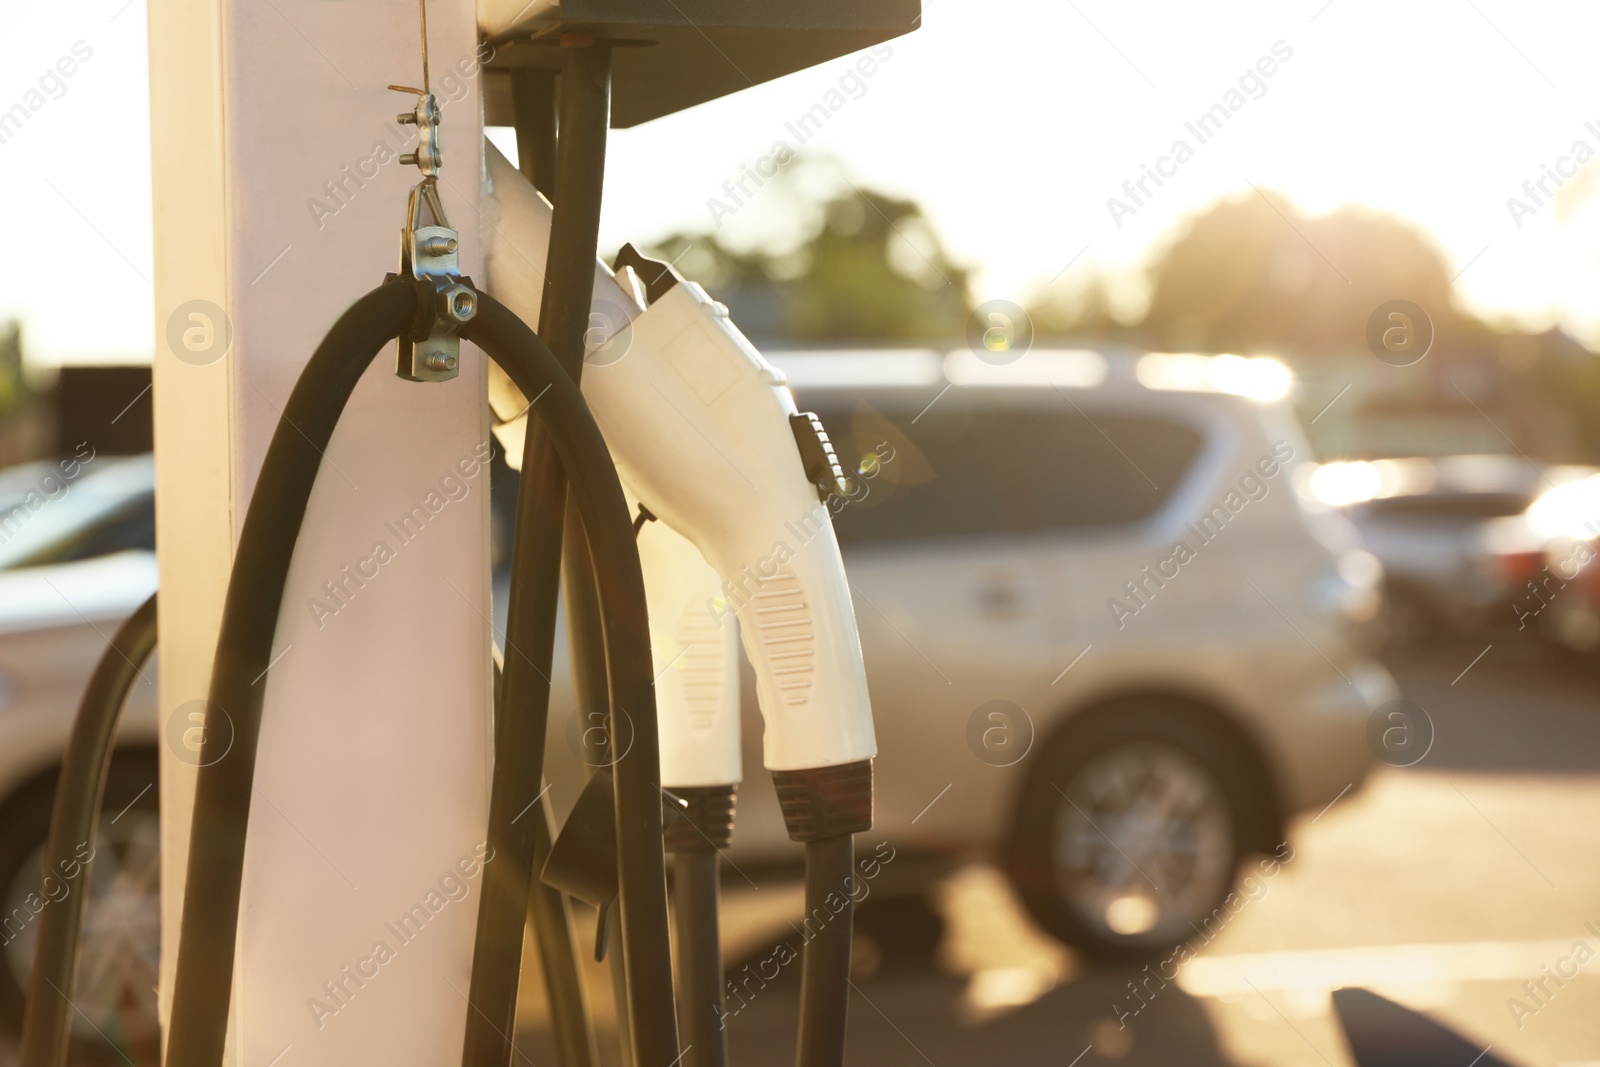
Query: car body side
{"points": [[950, 627]]}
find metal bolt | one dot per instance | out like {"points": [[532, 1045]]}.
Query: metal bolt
{"points": [[439, 361], [439, 245], [409, 159], [406, 118]]}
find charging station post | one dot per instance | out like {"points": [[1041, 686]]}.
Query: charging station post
{"points": [[278, 200]]}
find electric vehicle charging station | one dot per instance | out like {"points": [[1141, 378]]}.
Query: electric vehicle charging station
{"points": [[349, 750]]}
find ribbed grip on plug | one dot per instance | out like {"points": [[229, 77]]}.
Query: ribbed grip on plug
{"points": [[706, 821], [824, 802]]}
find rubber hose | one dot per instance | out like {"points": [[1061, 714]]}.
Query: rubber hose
{"points": [[497, 954], [695, 891], [519, 754], [564, 309], [564, 983], [204, 979], [533, 107], [542, 512], [47, 1018], [825, 960], [575, 224], [202, 991], [641, 871], [550, 914]]}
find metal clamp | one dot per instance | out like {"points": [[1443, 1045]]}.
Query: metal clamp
{"points": [[430, 254]]}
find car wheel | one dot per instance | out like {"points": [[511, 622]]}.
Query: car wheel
{"points": [[1131, 830], [114, 1018]]}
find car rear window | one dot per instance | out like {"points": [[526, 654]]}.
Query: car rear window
{"points": [[964, 471]]}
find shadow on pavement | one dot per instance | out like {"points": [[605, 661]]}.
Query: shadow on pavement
{"points": [[926, 1020], [1522, 708]]}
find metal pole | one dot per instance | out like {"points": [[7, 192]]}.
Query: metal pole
{"points": [[533, 103]]}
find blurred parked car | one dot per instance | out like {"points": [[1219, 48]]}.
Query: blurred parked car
{"points": [[77, 556], [1559, 595], [1058, 686], [1453, 533]]}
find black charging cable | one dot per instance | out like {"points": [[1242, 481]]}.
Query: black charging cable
{"points": [[550, 915], [46, 1028], [695, 841], [552, 545], [74, 818], [636, 772], [203, 986], [824, 807], [825, 957]]}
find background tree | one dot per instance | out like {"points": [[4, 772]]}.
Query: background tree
{"points": [[861, 266], [1255, 275]]}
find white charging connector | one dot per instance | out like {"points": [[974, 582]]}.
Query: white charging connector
{"points": [[697, 663], [699, 425], [696, 660]]}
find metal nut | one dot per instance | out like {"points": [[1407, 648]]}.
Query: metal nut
{"points": [[462, 304]]}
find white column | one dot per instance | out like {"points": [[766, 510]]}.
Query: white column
{"points": [[278, 201]]}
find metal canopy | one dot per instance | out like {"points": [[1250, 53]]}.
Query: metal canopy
{"points": [[674, 54]]}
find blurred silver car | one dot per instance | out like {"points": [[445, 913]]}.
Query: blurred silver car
{"points": [[1459, 548], [77, 556], [1108, 645]]}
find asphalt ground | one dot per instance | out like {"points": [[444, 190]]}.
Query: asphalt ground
{"points": [[1455, 887]]}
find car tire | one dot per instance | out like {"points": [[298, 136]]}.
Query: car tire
{"points": [[1131, 829], [114, 1021]]}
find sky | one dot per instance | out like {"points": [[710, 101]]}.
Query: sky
{"points": [[1012, 122]]}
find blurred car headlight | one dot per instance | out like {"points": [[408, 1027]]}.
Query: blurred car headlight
{"points": [[1339, 484], [1571, 510]]}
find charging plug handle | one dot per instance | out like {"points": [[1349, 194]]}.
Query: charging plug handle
{"points": [[822, 802]]}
